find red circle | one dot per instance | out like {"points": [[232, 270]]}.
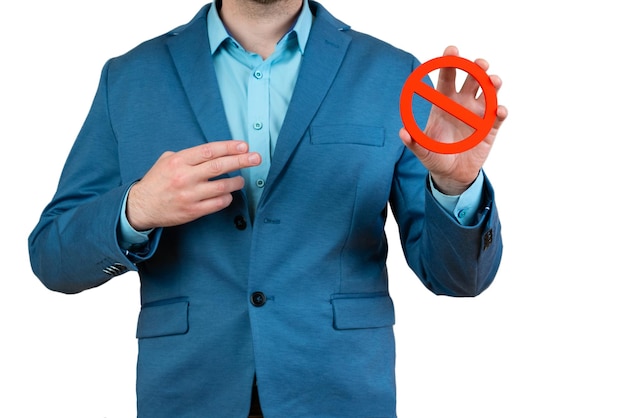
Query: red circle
{"points": [[414, 85]]}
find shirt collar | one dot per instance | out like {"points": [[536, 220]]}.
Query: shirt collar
{"points": [[218, 32]]}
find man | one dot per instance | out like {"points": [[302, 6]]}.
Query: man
{"points": [[262, 258]]}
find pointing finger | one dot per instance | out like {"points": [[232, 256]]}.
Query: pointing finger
{"points": [[212, 150]]}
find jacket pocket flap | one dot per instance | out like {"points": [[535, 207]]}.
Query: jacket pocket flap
{"points": [[362, 311], [162, 320]]}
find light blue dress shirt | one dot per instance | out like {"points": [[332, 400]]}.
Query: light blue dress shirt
{"points": [[256, 94]]}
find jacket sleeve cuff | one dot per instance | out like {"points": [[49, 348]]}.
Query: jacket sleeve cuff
{"points": [[465, 206]]}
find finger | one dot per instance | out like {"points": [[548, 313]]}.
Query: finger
{"points": [[211, 196], [219, 187], [405, 136], [227, 164], [408, 141], [446, 82], [210, 205], [501, 114], [471, 86], [212, 150], [496, 82]]}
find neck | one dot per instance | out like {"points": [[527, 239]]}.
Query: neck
{"points": [[258, 25]]}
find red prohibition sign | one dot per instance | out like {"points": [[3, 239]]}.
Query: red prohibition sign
{"points": [[415, 85]]}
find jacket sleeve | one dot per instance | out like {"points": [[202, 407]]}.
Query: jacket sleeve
{"points": [[74, 246], [450, 259]]}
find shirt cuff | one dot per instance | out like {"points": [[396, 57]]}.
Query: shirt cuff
{"points": [[128, 237], [462, 207]]}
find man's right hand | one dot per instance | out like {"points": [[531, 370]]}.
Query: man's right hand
{"points": [[179, 188]]}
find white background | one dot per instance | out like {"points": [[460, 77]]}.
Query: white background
{"points": [[546, 340]]}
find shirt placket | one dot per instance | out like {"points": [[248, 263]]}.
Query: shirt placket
{"points": [[259, 133]]}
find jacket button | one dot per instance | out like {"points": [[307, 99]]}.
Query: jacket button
{"points": [[258, 299], [240, 222]]}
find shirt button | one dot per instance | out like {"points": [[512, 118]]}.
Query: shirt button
{"points": [[258, 75], [240, 223], [258, 299], [257, 126], [260, 183], [462, 213]]}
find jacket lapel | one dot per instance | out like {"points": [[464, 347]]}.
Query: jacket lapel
{"points": [[325, 50], [189, 48]]}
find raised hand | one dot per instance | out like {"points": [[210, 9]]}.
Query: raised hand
{"points": [[454, 173]]}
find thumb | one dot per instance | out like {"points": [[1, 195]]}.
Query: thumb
{"points": [[416, 148]]}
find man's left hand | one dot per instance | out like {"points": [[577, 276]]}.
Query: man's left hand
{"points": [[454, 173]]}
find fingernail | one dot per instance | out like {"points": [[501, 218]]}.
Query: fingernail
{"points": [[242, 147], [254, 158]]}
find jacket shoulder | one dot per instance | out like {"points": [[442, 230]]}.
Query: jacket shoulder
{"points": [[363, 43], [156, 46]]}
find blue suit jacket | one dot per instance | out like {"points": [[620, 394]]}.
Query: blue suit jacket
{"points": [[321, 340]]}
